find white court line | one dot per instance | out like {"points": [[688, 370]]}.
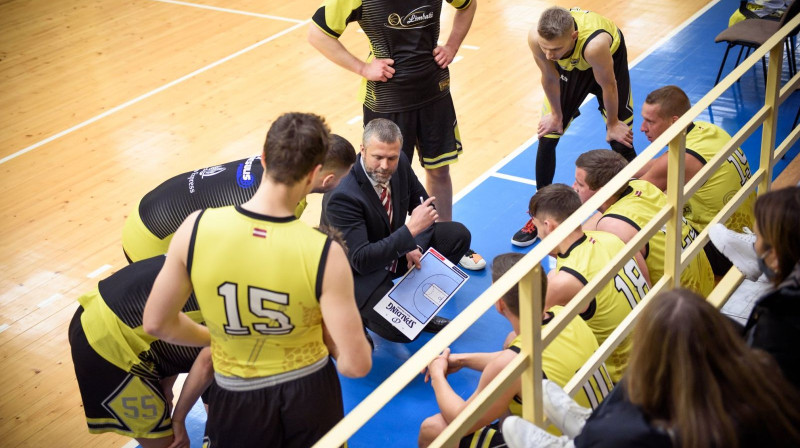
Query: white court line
{"points": [[49, 300], [493, 170], [150, 93], [132, 444], [4, 327], [470, 47], [234, 11], [98, 271], [355, 119], [456, 59], [521, 180]]}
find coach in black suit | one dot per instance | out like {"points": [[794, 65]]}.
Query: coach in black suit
{"points": [[380, 250]]}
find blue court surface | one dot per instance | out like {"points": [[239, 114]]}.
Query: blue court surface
{"points": [[496, 208]]}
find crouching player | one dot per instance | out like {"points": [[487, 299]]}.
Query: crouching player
{"points": [[125, 375]]}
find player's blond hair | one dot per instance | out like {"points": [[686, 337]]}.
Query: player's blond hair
{"points": [[555, 22]]}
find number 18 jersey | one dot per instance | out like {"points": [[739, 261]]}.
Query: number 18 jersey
{"points": [[258, 280], [584, 259]]}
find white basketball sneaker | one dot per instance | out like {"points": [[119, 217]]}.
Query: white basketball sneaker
{"points": [[738, 248], [562, 410], [520, 433]]}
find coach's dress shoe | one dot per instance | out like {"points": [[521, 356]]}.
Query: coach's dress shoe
{"points": [[436, 324]]}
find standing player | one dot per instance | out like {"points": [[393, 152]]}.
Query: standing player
{"points": [[150, 225], [578, 52], [265, 281], [660, 110], [406, 79], [579, 257], [573, 346], [632, 208], [125, 375]]}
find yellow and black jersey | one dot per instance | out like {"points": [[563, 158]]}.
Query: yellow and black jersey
{"points": [[583, 260], [637, 206], [589, 25], [566, 355], [149, 228], [112, 322], [301, 207], [406, 31], [258, 280], [703, 141]]}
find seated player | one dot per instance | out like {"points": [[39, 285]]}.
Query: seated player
{"points": [[150, 225], [660, 110], [759, 9], [630, 209], [579, 257], [560, 360], [125, 376]]}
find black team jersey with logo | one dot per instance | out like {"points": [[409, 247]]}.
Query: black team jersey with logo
{"points": [[406, 31], [163, 210]]}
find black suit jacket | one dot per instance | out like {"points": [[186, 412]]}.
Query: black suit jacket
{"points": [[355, 210]]}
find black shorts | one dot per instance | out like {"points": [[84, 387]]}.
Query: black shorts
{"points": [[432, 129], [720, 264], [486, 437], [296, 413], [576, 85], [115, 400]]}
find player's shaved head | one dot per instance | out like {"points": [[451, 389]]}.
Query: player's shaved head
{"points": [[672, 101]]}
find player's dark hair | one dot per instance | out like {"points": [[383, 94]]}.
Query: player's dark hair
{"points": [[341, 154], [382, 129], [500, 265], [777, 215], [556, 201], [555, 22], [600, 165], [296, 143], [672, 101], [691, 370]]}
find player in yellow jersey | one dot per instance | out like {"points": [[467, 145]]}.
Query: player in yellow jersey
{"points": [[579, 258], [578, 52], [155, 218], [632, 208], [265, 282], [661, 109], [560, 360], [125, 376]]}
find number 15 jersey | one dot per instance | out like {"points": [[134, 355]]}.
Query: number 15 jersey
{"points": [[258, 280]]}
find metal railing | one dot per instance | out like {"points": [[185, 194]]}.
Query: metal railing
{"points": [[527, 272]]}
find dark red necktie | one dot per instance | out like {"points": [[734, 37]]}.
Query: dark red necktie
{"points": [[386, 202]]}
